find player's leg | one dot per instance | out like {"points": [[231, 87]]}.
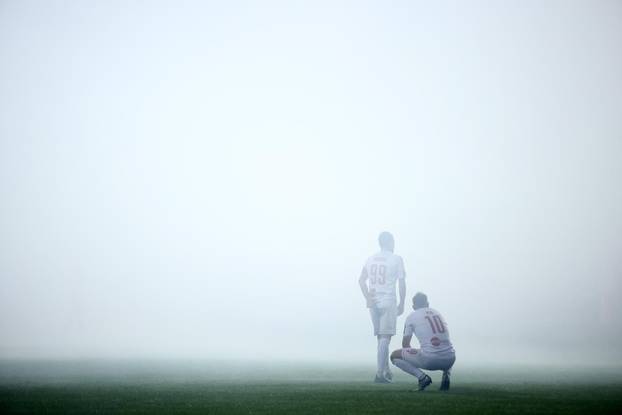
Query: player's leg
{"points": [[389, 324], [445, 380], [409, 360], [398, 360], [447, 374], [386, 329], [387, 372], [376, 314], [382, 358]]}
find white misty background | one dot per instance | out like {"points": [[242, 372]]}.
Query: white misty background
{"points": [[202, 179]]}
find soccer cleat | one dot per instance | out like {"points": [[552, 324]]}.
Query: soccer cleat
{"points": [[425, 382], [381, 379], [388, 375], [445, 382]]}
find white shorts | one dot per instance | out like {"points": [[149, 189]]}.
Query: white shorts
{"points": [[428, 361], [384, 320]]}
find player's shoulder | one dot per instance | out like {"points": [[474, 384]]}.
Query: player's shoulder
{"points": [[420, 313], [390, 256], [394, 257], [435, 311], [396, 261], [378, 257]]}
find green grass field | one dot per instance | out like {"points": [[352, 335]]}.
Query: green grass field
{"points": [[199, 387]]}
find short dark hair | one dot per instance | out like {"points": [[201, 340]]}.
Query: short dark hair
{"points": [[420, 300], [385, 239]]}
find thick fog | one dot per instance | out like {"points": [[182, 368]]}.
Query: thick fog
{"points": [[206, 179]]}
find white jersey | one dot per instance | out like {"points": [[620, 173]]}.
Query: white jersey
{"points": [[383, 270], [431, 331]]}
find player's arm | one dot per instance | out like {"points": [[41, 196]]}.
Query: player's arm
{"points": [[409, 329], [364, 288], [402, 286], [406, 341], [400, 306]]}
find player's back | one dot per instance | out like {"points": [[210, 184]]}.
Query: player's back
{"points": [[431, 330], [383, 270]]}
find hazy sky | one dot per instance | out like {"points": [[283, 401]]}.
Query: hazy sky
{"points": [[207, 178]]}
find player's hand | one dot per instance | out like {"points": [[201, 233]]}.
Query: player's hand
{"points": [[400, 309], [371, 296]]}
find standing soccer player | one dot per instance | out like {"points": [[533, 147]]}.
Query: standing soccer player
{"points": [[377, 282]]}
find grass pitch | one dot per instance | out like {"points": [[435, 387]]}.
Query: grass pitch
{"points": [[194, 387]]}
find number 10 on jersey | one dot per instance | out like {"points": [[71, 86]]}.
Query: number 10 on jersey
{"points": [[436, 324]]}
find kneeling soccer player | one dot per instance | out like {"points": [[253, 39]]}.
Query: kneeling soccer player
{"points": [[436, 353]]}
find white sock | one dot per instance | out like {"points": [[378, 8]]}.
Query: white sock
{"points": [[409, 368], [383, 355]]}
